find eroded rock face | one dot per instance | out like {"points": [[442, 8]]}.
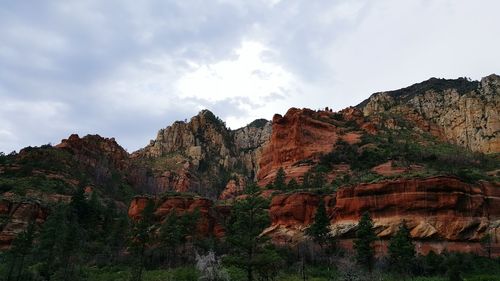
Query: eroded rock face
{"points": [[301, 136], [96, 151], [463, 112], [294, 210], [250, 142], [16, 217], [192, 156], [234, 188], [210, 217], [436, 209]]}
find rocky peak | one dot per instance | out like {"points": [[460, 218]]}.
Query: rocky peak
{"points": [[92, 149], [200, 154], [299, 138]]}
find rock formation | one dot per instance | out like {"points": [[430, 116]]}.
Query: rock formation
{"points": [[196, 155], [300, 137], [15, 219], [210, 216], [204, 157], [461, 111], [436, 209]]}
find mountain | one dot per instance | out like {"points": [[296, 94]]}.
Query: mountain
{"points": [[427, 154], [461, 111]]}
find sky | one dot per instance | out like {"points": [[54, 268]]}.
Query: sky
{"points": [[125, 69]]}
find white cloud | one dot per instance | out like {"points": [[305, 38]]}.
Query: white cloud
{"points": [[128, 68], [246, 74]]}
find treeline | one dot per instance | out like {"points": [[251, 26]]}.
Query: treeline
{"points": [[89, 240]]}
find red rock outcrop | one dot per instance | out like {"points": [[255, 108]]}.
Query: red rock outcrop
{"points": [[293, 210], [300, 137], [209, 219], [436, 209], [300, 134], [92, 149], [17, 216], [233, 188]]}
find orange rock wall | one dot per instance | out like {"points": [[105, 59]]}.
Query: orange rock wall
{"points": [[441, 210]]}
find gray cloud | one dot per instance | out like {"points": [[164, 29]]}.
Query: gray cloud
{"points": [[112, 67]]}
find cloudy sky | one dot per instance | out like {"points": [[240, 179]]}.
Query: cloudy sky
{"points": [[125, 69]]}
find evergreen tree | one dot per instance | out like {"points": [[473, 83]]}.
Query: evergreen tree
{"points": [[142, 234], [48, 251], [251, 188], [279, 180], [174, 232], [116, 239], [365, 236], [453, 268], [307, 180], [293, 184], [19, 252], [401, 250], [319, 229], [71, 248], [248, 219], [318, 180], [486, 243], [79, 206]]}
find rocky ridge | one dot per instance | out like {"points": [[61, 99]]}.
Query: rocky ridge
{"points": [[461, 111], [204, 157], [191, 156]]}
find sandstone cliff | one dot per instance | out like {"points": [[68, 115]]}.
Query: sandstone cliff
{"points": [[210, 217], [367, 153], [300, 137], [443, 213]]}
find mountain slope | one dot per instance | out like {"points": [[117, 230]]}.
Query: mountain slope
{"points": [[427, 153], [461, 111]]}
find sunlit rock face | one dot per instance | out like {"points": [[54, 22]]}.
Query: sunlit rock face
{"points": [[198, 155], [301, 136]]}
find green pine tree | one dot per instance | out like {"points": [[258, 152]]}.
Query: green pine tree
{"points": [[307, 180], [49, 248], [293, 184], [174, 232], [79, 205], [21, 248], [251, 188], [141, 234], [319, 229], [248, 219], [402, 251], [116, 239], [365, 236], [279, 180], [318, 180], [453, 268]]}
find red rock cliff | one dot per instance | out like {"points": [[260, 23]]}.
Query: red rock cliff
{"points": [[210, 215], [300, 137], [436, 209]]}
